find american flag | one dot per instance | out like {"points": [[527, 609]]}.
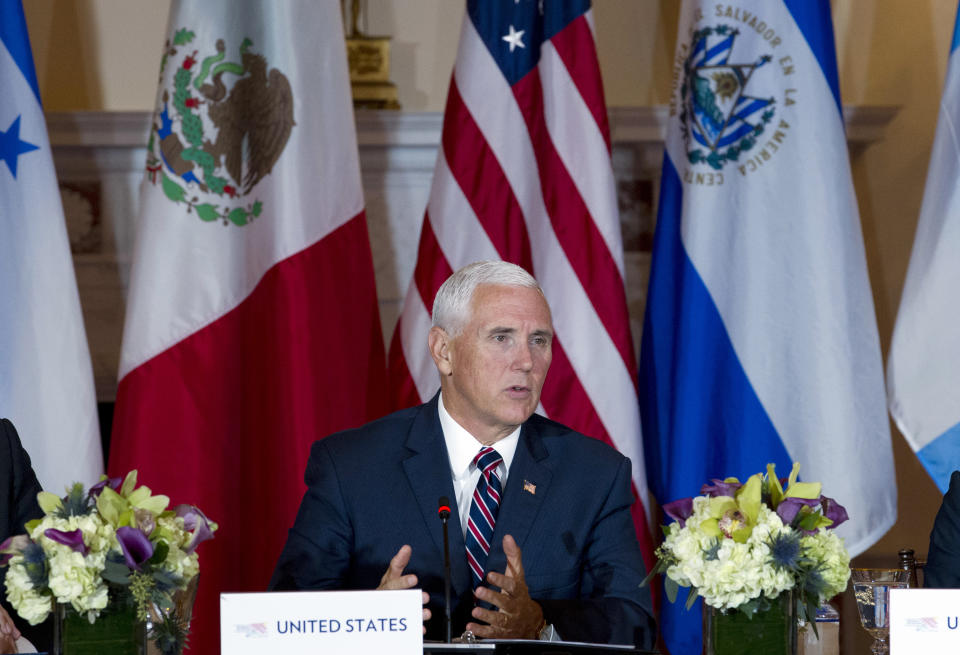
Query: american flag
{"points": [[523, 174]]}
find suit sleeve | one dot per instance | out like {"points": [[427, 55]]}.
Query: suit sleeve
{"points": [[18, 505], [612, 607], [943, 557], [317, 552], [20, 487]]}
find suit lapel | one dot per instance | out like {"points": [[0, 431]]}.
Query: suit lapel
{"points": [[528, 482], [428, 471]]}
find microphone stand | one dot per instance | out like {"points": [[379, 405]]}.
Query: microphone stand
{"points": [[444, 516]]}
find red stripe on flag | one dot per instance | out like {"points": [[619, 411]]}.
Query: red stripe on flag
{"points": [[578, 234], [432, 266], [403, 390], [430, 272], [225, 418], [477, 170], [574, 44]]}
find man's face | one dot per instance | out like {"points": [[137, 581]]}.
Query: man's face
{"points": [[493, 371]]}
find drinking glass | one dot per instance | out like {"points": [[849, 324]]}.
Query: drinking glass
{"points": [[871, 588]]}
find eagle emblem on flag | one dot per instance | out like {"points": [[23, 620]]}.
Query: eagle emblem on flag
{"points": [[220, 126], [719, 119]]}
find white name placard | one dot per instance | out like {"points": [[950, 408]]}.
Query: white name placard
{"points": [[329, 622], [924, 621]]}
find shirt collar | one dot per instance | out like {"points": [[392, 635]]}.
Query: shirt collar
{"points": [[462, 446]]}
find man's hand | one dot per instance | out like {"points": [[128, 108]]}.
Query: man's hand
{"points": [[8, 633], [395, 579], [517, 616]]}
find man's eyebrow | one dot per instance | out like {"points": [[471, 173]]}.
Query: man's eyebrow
{"points": [[502, 330]]}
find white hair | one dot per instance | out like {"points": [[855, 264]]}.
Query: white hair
{"points": [[451, 307]]}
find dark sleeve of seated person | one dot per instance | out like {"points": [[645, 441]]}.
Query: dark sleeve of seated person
{"points": [[943, 557], [18, 504]]}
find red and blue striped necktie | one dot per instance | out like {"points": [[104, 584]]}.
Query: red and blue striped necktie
{"points": [[483, 511]]}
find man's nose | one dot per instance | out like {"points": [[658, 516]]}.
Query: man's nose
{"points": [[524, 357]]}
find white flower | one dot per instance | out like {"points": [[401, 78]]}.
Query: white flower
{"points": [[29, 604]]}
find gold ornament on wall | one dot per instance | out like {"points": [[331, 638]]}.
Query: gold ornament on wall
{"points": [[368, 58]]}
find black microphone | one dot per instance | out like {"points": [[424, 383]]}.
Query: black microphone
{"points": [[444, 511]]}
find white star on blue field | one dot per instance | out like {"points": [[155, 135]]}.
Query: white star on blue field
{"points": [[11, 146]]}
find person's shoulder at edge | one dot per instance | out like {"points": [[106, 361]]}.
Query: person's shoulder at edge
{"points": [[556, 435], [388, 429]]}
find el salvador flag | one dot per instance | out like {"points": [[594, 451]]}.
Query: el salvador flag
{"points": [[923, 369], [46, 378], [760, 341]]}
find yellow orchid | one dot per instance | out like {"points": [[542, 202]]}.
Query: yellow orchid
{"points": [[120, 509]]}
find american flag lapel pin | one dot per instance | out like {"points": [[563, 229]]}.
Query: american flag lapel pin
{"points": [[530, 487]]}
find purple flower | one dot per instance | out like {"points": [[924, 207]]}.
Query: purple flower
{"points": [[196, 522], [833, 511], [720, 488], [73, 539], [788, 508], [114, 483], [136, 548], [679, 510], [11, 546]]}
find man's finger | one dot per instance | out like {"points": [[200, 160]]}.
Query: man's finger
{"points": [[500, 600], [7, 626], [399, 561], [510, 586], [394, 577], [514, 558]]}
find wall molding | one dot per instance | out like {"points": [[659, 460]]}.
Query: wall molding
{"points": [[865, 125]]}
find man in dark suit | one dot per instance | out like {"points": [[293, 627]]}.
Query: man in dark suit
{"points": [[942, 569], [369, 517], [18, 504]]}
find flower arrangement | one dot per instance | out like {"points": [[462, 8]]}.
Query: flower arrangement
{"points": [[740, 546], [114, 544]]}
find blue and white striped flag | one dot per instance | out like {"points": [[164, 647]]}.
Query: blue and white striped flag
{"points": [[46, 380], [760, 341], [923, 370]]}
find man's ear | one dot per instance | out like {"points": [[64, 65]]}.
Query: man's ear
{"points": [[439, 343]]}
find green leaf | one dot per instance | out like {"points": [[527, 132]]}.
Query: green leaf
{"points": [[257, 208], [171, 189], [207, 212], [238, 216], [49, 502], [671, 588], [692, 597], [116, 572], [159, 553], [183, 36]]}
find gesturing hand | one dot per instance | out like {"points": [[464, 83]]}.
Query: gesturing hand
{"points": [[517, 615], [8, 633], [395, 579]]}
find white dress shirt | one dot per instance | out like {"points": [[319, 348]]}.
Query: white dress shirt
{"points": [[462, 447]]}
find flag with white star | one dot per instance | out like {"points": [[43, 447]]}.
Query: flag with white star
{"points": [[524, 175], [46, 379]]}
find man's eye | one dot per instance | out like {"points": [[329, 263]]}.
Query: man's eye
{"points": [[500, 338]]}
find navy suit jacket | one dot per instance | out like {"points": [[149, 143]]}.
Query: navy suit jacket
{"points": [[567, 504], [18, 504], [943, 557]]}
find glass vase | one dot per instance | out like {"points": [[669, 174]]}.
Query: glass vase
{"points": [[116, 631], [772, 631]]}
